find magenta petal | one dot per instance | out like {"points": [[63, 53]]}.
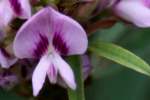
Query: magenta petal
{"points": [[146, 3], [41, 46], [16, 6], [60, 45], [21, 8], [33, 38], [69, 37]]}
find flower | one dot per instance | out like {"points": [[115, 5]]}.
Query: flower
{"points": [[86, 65], [8, 80], [135, 11], [10, 9], [47, 35], [86, 69], [106, 3], [6, 60]]}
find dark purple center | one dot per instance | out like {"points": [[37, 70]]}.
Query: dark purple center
{"points": [[41, 46], [15, 6], [60, 44]]}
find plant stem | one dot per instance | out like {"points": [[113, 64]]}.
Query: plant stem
{"points": [[78, 94]]}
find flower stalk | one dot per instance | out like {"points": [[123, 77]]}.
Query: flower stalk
{"points": [[78, 94]]}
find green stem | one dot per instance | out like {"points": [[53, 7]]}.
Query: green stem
{"points": [[78, 94]]}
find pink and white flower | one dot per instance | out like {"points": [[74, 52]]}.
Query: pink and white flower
{"points": [[135, 11], [10, 9], [6, 59], [48, 35]]}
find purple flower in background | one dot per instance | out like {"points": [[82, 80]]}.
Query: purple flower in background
{"points": [[107, 3], [10, 9], [8, 80], [135, 11], [48, 35], [6, 60], [86, 65]]}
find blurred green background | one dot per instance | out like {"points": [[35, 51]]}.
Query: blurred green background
{"points": [[114, 82], [111, 81]]}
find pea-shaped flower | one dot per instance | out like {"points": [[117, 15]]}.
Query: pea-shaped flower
{"points": [[10, 9], [48, 35], [135, 11]]}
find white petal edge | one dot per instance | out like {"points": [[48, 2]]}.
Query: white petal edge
{"points": [[39, 74], [65, 71]]}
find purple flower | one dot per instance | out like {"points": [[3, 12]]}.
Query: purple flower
{"points": [[6, 60], [135, 11], [107, 3], [8, 80], [86, 70], [10, 9], [86, 65], [48, 35]]}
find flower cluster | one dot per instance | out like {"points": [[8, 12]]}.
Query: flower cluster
{"points": [[48, 35]]}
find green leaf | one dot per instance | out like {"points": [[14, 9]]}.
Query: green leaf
{"points": [[123, 85], [78, 94], [120, 55]]}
